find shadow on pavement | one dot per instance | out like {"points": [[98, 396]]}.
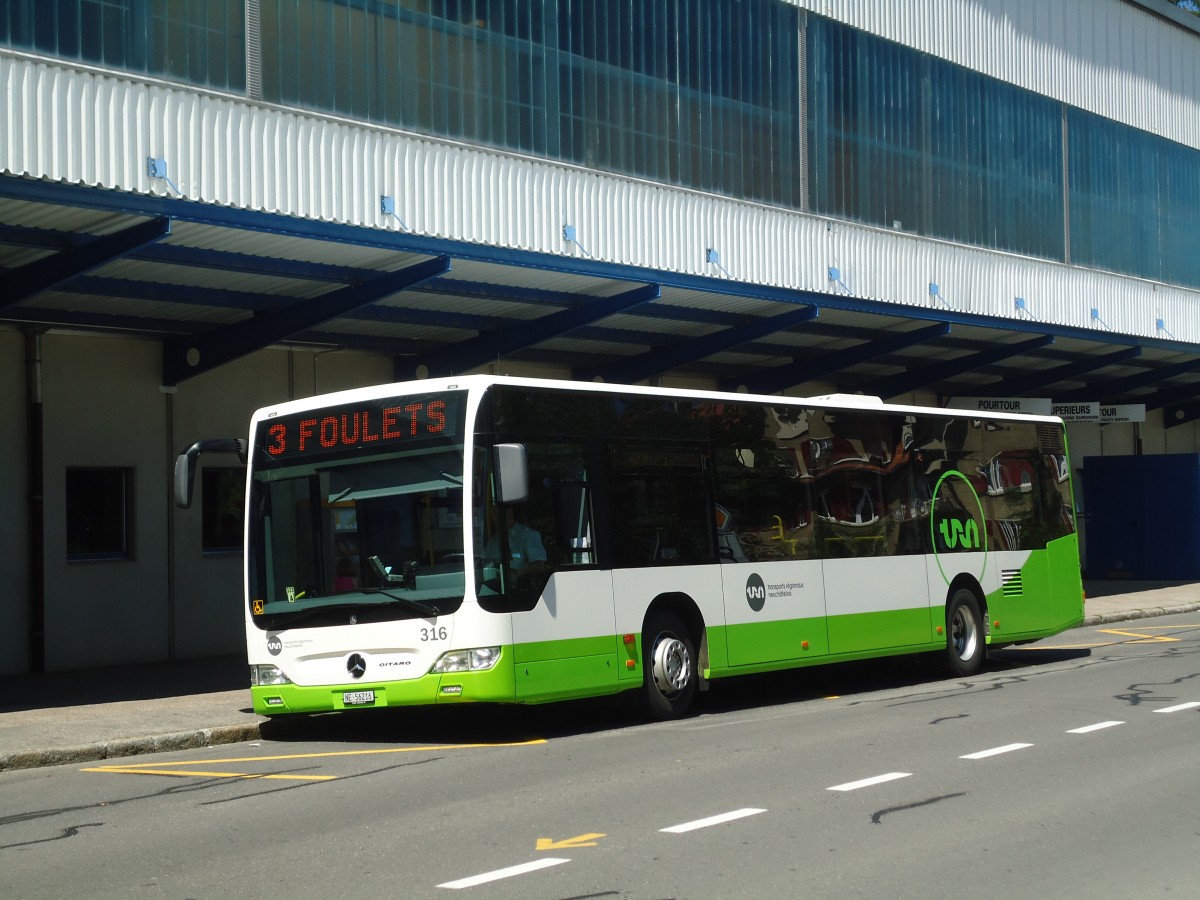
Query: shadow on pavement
{"points": [[513, 724], [1117, 586], [112, 684]]}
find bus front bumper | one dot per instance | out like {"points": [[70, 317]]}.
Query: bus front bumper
{"points": [[491, 686]]}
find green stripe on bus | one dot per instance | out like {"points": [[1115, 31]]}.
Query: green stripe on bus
{"points": [[1044, 598]]}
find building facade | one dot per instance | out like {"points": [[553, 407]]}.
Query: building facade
{"points": [[208, 207]]}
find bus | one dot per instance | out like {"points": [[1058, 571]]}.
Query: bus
{"points": [[510, 540]]}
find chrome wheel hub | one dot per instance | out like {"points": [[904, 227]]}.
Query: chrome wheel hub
{"points": [[672, 665]]}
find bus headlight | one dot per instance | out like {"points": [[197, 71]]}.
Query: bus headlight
{"points": [[261, 676], [476, 660]]}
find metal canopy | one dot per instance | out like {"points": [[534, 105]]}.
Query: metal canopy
{"points": [[49, 271], [823, 365], [186, 358], [215, 283], [660, 360], [483, 348], [938, 373]]}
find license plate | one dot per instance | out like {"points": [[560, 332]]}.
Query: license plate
{"points": [[358, 698]]}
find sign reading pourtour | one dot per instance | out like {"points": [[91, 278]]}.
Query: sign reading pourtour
{"points": [[378, 425], [957, 524]]}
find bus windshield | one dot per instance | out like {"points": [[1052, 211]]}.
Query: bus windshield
{"points": [[357, 539]]}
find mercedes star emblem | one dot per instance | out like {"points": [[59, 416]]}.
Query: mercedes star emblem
{"points": [[356, 665]]}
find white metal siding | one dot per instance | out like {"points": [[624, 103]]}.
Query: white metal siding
{"points": [[84, 127]]}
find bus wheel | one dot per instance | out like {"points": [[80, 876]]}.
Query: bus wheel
{"points": [[670, 667], [964, 638]]}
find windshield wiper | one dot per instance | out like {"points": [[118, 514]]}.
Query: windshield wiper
{"points": [[282, 621], [424, 608]]}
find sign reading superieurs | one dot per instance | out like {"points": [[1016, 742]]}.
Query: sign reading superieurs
{"points": [[358, 426]]}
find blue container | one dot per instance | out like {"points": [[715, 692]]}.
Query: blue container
{"points": [[1141, 516]]}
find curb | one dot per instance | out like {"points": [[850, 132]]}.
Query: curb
{"points": [[1147, 613], [162, 743]]}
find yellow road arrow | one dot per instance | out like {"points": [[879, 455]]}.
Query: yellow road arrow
{"points": [[583, 840]]}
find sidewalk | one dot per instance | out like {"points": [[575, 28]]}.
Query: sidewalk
{"points": [[73, 717]]}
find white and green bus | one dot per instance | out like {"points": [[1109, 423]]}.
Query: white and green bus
{"points": [[494, 539]]}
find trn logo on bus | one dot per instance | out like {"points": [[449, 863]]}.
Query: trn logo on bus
{"points": [[957, 534], [958, 519], [756, 592]]}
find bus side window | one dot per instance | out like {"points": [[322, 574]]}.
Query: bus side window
{"points": [[560, 506], [573, 524]]}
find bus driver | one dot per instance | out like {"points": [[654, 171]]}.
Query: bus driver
{"points": [[524, 543]]}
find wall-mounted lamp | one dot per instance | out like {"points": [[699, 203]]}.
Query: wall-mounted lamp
{"points": [[156, 167], [387, 206], [712, 257], [568, 234], [835, 275]]}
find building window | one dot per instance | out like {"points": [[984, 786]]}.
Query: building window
{"points": [[223, 493], [195, 41], [99, 514]]}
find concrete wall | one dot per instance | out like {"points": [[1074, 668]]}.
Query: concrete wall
{"points": [[102, 408], [14, 544]]}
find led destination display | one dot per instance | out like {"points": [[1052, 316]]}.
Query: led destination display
{"points": [[369, 425]]}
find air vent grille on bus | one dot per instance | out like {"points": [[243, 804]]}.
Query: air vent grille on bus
{"points": [[1050, 439], [1010, 582]]}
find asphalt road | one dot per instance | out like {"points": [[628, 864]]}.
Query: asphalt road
{"points": [[1067, 769]]}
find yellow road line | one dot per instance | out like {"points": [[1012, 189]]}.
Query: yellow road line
{"points": [[142, 768], [1027, 648], [334, 753], [128, 770], [1141, 638]]}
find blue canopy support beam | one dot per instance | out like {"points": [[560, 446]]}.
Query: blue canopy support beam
{"points": [[1119, 386], [927, 375], [777, 380], [1180, 414], [1025, 386], [660, 360], [186, 358], [50, 271], [492, 345], [1176, 395]]}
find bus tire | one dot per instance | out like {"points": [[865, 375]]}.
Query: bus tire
{"points": [[965, 644], [669, 654]]}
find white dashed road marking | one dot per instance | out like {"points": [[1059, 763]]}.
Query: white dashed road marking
{"points": [[867, 782], [526, 868], [713, 820], [1180, 707], [499, 874], [995, 751]]}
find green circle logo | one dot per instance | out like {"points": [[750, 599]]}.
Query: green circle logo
{"points": [[956, 524]]}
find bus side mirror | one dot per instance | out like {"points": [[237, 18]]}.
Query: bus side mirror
{"points": [[185, 464], [512, 473]]}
